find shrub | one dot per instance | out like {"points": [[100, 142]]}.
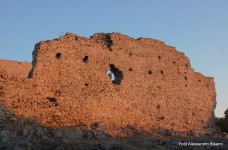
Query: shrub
{"points": [[222, 123]]}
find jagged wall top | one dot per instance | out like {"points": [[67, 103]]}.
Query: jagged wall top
{"points": [[159, 87]]}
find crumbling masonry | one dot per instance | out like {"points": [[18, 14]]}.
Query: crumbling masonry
{"points": [[67, 85]]}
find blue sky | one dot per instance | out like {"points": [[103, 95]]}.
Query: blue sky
{"points": [[197, 28]]}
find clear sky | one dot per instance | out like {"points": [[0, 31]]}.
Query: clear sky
{"points": [[199, 28]]}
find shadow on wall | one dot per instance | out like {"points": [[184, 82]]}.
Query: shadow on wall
{"points": [[108, 41], [21, 133], [34, 60], [27, 133]]}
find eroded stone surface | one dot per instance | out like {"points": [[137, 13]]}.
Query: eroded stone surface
{"points": [[68, 85]]}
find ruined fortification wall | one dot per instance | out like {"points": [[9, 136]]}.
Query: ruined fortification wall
{"points": [[159, 88]]}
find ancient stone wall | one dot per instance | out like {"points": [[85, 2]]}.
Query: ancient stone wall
{"points": [[68, 85]]}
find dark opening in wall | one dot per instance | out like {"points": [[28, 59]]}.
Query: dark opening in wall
{"points": [[130, 54], [1, 76], [186, 85], [162, 72], [150, 72], [52, 99], [158, 106], [58, 55], [162, 118], [174, 62], [86, 59], [186, 65], [86, 84], [19, 63], [159, 57], [130, 69], [115, 74], [185, 77], [199, 80]]}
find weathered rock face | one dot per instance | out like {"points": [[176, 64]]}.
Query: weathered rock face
{"points": [[68, 85]]}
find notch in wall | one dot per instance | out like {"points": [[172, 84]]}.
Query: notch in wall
{"points": [[108, 41], [158, 106], [162, 72], [86, 59], [161, 117], [185, 77], [58, 55], [51, 99]]}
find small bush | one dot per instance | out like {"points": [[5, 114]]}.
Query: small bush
{"points": [[222, 123], [226, 114]]}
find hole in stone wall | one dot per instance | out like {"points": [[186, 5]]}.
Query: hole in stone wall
{"points": [[130, 69], [162, 118], [199, 80], [58, 55], [186, 85], [86, 84], [115, 74], [130, 54], [149, 72], [1, 76], [158, 106], [52, 99], [159, 57], [86, 59], [162, 72], [185, 77], [186, 65], [174, 62]]}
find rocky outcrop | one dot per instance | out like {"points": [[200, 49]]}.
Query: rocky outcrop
{"points": [[68, 85]]}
